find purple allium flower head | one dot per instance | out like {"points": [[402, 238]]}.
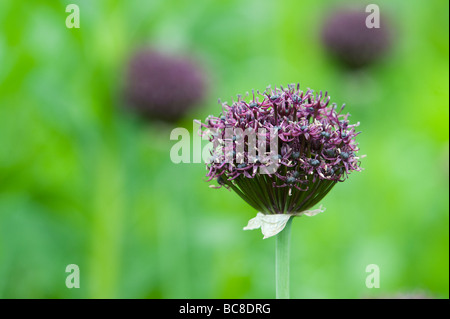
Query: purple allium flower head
{"points": [[346, 36], [161, 86], [316, 148]]}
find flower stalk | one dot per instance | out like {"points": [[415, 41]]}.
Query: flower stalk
{"points": [[282, 255]]}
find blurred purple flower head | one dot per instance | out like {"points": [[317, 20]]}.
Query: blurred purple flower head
{"points": [[163, 87], [316, 148], [346, 37]]}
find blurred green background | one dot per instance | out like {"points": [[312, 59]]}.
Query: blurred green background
{"points": [[82, 182]]}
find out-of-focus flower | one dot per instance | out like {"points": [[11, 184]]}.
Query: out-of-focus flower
{"points": [[316, 148], [407, 295], [163, 87], [346, 37]]}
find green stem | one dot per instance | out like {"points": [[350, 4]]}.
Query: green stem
{"points": [[282, 261]]}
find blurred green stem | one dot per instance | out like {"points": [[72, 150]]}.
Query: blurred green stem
{"points": [[282, 261]]}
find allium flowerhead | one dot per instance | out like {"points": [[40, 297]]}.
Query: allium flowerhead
{"points": [[346, 37], [304, 147], [161, 86]]}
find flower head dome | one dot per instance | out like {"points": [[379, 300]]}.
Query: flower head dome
{"points": [[346, 37], [282, 150], [161, 86]]}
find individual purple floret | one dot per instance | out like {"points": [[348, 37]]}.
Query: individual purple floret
{"points": [[346, 37], [316, 148], [163, 87]]}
